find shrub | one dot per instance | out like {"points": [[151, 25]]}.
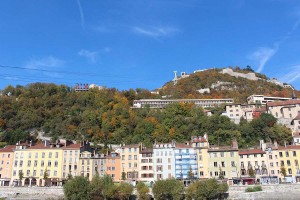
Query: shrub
{"points": [[254, 189]]}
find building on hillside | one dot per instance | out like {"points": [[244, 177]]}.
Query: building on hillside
{"points": [[289, 157], [201, 145], [129, 161], [263, 100], [186, 165], [164, 160], [285, 111], [40, 164], [113, 166], [225, 160], [161, 103], [91, 164], [146, 165], [6, 164], [295, 124]]}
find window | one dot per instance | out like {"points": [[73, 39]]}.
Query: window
{"points": [[135, 157], [28, 173], [296, 162], [216, 173], [56, 154], [42, 163], [255, 155], [223, 164], [55, 163], [21, 163], [129, 157], [29, 155], [280, 154], [129, 150], [222, 154], [55, 173], [215, 164], [35, 163], [169, 160], [282, 163], [288, 162], [29, 163], [294, 153], [123, 157], [123, 150], [16, 163], [290, 171], [231, 154], [129, 165], [169, 167], [50, 154], [34, 173], [272, 172], [241, 156], [270, 157], [135, 150], [287, 154], [200, 157], [49, 163], [43, 155], [201, 173], [261, 155], [232, 164]]}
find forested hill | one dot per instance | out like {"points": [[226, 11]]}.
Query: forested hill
{"points": [[224, 86], [105, 116]]}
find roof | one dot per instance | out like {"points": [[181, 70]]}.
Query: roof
{"points": [[222, 148], [131, 146], [110, 157], [289, 147], [147, 150], [251, 151], [182, 145], [202, 139], [284, 103], [72, 146], [8, 148]]}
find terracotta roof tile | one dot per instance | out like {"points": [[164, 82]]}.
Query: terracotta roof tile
{"points": [[72, 146], [8, 148], [284, 103], [251, 151], [289, 147]]}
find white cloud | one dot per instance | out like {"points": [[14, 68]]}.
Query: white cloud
{"points": [[262, 55], [44, 63], [293, 75], [81, 14], [91, 56], [154, 31]]}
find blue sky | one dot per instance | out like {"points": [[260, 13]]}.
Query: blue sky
{"points": [[138, 44]]}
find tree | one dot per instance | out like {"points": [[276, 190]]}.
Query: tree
{"points": [[78, 188], [124, 191], [251, 172], [221, 175], [191, 175], [283, 171], [21, 176], [207, 189], [143, 191], [169, 189], [108, 187], [123, 176], [45, 176]]}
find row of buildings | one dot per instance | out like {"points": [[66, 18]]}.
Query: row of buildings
{"points": [[51, 164]]}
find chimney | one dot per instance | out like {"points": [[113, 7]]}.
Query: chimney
{"points": [[234, 144], [205, 136]]}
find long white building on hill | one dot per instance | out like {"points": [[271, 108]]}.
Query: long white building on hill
{"points": [[161, 103]]}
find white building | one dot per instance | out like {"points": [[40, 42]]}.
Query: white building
{"points": [[262, 100], [161, 103]]}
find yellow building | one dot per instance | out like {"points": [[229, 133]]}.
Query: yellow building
{"points": [[6, 160], [129, 161], [40, 164], [90, 164], [70, 159], [289, 157], [201, 145], [225, 160]]}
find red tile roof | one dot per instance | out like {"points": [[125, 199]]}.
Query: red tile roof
{"points": [[72, 146], [284, 103], [202, 139], [8, 148], [251, 151], [289, 147], [181, 145]]}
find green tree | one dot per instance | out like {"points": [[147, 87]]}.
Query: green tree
{"points": [[143, 191], [124, 190], [191, 175], [207, 189], [21, 176], [283, 172], [123, 176], [45, 176], [169, 189], [78, 188], [251, 172], [221, 175]]}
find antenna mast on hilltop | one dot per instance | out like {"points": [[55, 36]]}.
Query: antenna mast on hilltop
{"points": [[175, 77]]}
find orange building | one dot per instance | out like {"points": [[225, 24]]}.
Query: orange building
{"points": [[113, 166], [6, 160]]}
